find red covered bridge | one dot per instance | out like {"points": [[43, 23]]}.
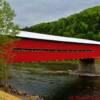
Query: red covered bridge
{"points": [[35, 47]]}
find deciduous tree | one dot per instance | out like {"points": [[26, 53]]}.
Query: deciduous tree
{"points": [[8, 30]]}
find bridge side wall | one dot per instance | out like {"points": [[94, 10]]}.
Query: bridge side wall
{"points": [[31, 50], [68, 51]]}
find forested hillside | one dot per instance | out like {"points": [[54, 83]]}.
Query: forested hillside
{"points": [[85, 24]]}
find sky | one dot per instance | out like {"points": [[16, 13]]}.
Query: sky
{"points": [[31, 12]]}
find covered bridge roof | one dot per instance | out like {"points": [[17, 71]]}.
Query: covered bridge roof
{"points": [[33, 35]]}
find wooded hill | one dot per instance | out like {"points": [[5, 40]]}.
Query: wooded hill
{"points": [[85, 24]]}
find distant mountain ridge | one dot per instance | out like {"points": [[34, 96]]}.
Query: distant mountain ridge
{"points": [[85, 24]]}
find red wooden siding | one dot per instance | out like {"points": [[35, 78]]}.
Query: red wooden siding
{"points": [[38, 44], [45, 56], [80, 51]]}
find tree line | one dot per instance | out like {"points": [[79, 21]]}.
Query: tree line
{"points": [[85, 24]]}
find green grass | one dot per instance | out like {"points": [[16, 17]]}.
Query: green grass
{"points": [[47, 66]]}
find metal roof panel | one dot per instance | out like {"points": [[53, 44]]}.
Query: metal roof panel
{"points": [[33, 35]]}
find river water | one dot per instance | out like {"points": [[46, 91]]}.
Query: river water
{"points": [[55, 87]]}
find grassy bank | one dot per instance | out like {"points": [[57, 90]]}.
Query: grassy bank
{"points": [[48, 67]]}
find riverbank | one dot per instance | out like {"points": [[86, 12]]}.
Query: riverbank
{"points": [[62, 67], [13, 96], [7, 96]]}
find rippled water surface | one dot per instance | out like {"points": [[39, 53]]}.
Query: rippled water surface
{"points": [[55, 87]]}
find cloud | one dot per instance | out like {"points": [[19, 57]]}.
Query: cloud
{"points": [[30, 12]]}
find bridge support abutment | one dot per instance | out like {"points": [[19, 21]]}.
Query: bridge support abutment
{"points": [[87, 66]]}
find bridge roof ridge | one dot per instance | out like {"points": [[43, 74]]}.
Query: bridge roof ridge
{"points": [[34, 35]]}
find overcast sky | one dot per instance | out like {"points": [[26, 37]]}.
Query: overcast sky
{"points": [[30, 12]]}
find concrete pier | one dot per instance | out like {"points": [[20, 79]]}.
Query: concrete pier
{"points": [[97, 66], [87, 66]]}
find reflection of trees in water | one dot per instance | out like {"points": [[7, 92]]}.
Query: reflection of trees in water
{"points": [[68, 89], [90, 86], [81, 87], [86, 86]]}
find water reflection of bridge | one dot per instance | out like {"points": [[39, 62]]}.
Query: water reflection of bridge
{"points": [[35, 47]]}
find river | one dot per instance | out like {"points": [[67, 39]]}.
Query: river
{"points": [[54, 87]]}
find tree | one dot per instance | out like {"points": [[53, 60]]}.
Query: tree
{"points": [[85, 24], [8, 30]]}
